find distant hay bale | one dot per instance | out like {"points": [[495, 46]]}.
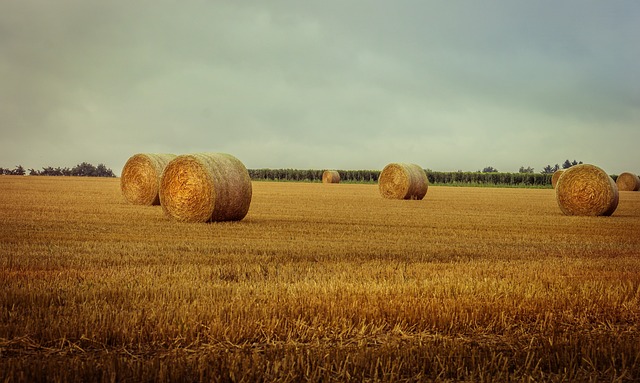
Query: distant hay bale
{"points": [[403, 181], [628, 182], [586, 190], [205, 187], [330, 177], [555, 176], [140, 178]]}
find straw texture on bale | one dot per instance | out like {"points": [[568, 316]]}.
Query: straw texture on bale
{"points": [[140, 178], [628, 182], [586, 190], [330, 177], [403, 181], [555, 176], [205, 187]]}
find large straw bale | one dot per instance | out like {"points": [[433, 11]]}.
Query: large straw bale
{"points": [[628, 182], [555, 176], [330, 177], [206, 187], [586, 190], [403, 181], [140, 178]]}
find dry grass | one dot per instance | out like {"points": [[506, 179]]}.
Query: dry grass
{"points": [[586, 190], [140, 180], [330, 177], [628, 182], [473, 284], [206, 187], [403, 181]]}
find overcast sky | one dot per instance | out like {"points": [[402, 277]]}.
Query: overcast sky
{"points": [[448, 85]]}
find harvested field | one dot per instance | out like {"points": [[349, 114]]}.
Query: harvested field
{"points": [[316, 284]]}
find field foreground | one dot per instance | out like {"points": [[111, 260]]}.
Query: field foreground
{"points": [[318, 283]]}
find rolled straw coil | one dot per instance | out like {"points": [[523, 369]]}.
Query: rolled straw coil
{"points": [[206, 187], [555, 176], [330, 177], [628, 182], [403, 181], [140, 178], [586, 190]]}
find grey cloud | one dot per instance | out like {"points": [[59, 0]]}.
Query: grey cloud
{"points": [[456, 85]]}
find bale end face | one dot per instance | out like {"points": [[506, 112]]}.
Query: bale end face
{"points": [[628, 182], [554, 178], [586, 190], [330, 177], [206, 187], [140, 178], [403, 181]]}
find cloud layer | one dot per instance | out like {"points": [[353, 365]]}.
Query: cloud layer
{"points": [[333, 84]]}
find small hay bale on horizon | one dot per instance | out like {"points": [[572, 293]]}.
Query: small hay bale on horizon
{"points": [[403, 181], [555, 176], [330, 177], [140, 177], [586, 190], [628, 182], [206, 187]]}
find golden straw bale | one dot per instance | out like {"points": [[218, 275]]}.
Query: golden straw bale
{"points": [[140, 178], [206, 187], [586, 190], [330, 177], [628, 182], [555, 176], [403, 181]]}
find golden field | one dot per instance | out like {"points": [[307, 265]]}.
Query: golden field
{"points": [[320, 282]]}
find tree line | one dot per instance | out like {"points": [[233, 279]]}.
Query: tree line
{"points": [[81, 170], [546, 170], [487, 176], [371, 176], [311, 175]]}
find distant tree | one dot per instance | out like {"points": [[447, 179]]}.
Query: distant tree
{"points": [[489, 169], [18, 171], [550, 169], [528, 169], [567, 164], [103, 171], [84, 170], [50, 171]]}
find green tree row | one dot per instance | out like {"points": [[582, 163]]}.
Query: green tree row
{"points": [[82, 170], [312, 175], [435, 178], [490, 178]]}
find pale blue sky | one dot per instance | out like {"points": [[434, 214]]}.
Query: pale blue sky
{"points": [[322, 84]]}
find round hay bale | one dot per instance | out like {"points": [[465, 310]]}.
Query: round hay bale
{"points": [[330, 177], [586, 190], [403, 181], [140, 178], [628, 182], [555, 176], [205, 187]]}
